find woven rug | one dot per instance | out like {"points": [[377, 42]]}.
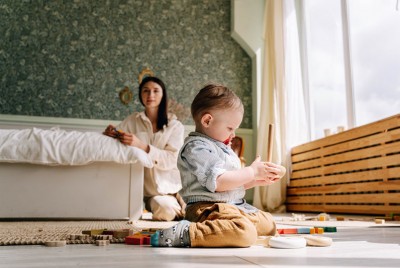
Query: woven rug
{"points": [[38, 232]]}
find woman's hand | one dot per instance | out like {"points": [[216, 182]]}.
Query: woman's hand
{"points": [[110, 131], [132, 140]]}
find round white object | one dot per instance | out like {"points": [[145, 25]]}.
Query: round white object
{"points": [[287, 242]]}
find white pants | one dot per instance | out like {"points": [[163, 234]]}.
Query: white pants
{"points": [[166, 207]]}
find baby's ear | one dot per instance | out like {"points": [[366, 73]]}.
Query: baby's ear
{"points": [[206, 119]]}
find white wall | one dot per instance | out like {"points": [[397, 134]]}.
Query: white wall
{"points": [[247, 29]]}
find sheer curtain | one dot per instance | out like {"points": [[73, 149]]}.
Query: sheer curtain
{"points": [[282, 97]]}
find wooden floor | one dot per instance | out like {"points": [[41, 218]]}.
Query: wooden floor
{"points": [[376, 246]]}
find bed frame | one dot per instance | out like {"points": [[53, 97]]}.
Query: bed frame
{"points": [[355, 171], [101, 190]]}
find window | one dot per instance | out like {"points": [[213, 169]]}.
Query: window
{"points": [[325, 64], [374, 41]]}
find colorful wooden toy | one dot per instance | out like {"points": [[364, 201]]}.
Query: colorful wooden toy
{"points": [[137, 239], [304, 230], [287, 231], [330, 229], [319, 230]]}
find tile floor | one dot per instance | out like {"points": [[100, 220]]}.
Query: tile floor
{"points": [[352, 247]]}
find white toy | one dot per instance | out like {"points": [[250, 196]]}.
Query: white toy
{"points": [[287, 242]]}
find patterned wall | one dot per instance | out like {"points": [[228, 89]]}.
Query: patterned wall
{"points": [[71, 58]]}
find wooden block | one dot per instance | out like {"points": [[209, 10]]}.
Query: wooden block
{"points": [[82, 237], [330, 229], [60, 243], [137, 239], [340, 218], [120, 233], [304, 230], [102, 242], [312, 230], [73, 236], [289, 231], [134, 240], [318, 241], [93, 232], [319, 230], [146, 240], [379, 221], [103, 237]]}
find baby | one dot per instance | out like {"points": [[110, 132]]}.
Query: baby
{"points": [[213, 181]]}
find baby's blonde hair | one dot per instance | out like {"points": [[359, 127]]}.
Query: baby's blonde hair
{"points": [[214, 97]]}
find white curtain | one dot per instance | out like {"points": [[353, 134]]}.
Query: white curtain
{"points": [[282, 97]]}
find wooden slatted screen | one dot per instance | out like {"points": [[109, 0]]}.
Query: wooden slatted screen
{"points": [[356, 171]]}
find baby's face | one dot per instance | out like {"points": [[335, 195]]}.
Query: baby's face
{"points": [[223, 124]]}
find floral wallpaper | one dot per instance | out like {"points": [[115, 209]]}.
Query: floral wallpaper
{"points": [[72, 58]]}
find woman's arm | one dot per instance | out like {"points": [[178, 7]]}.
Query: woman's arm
{"points": [[133, 140], [166, 158]]}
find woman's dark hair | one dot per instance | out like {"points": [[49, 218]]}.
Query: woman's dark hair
{"points": [[162, 117]]}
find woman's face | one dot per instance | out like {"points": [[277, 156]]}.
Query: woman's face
{"points": [[151, 94]]}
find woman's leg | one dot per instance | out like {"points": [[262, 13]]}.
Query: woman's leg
{"points": [[164, 208]]}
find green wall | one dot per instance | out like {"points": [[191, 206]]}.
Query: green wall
{"points": [[71, 58]]}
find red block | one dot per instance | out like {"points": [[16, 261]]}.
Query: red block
{"points": [[137, 239], [289, 231], [146, 240]]}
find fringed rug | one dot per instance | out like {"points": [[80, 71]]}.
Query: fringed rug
{"points": [[38, 232]]}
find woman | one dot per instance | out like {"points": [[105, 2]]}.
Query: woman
{"points": [[159, 134]]}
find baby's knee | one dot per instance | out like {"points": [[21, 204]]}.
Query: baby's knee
{"points": [[248, 237]]}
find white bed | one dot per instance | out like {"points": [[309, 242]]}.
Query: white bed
{"points": [[46, 184]]}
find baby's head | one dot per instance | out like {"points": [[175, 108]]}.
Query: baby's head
{"points": [[217, 112]]}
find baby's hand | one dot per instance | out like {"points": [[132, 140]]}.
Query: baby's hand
{"points": [[267, 171], [276, 171]]}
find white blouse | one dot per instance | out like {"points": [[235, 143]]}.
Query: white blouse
{"points": [[164, 177]]}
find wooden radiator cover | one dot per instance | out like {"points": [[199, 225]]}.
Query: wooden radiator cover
{"points": [[356, 171]]}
